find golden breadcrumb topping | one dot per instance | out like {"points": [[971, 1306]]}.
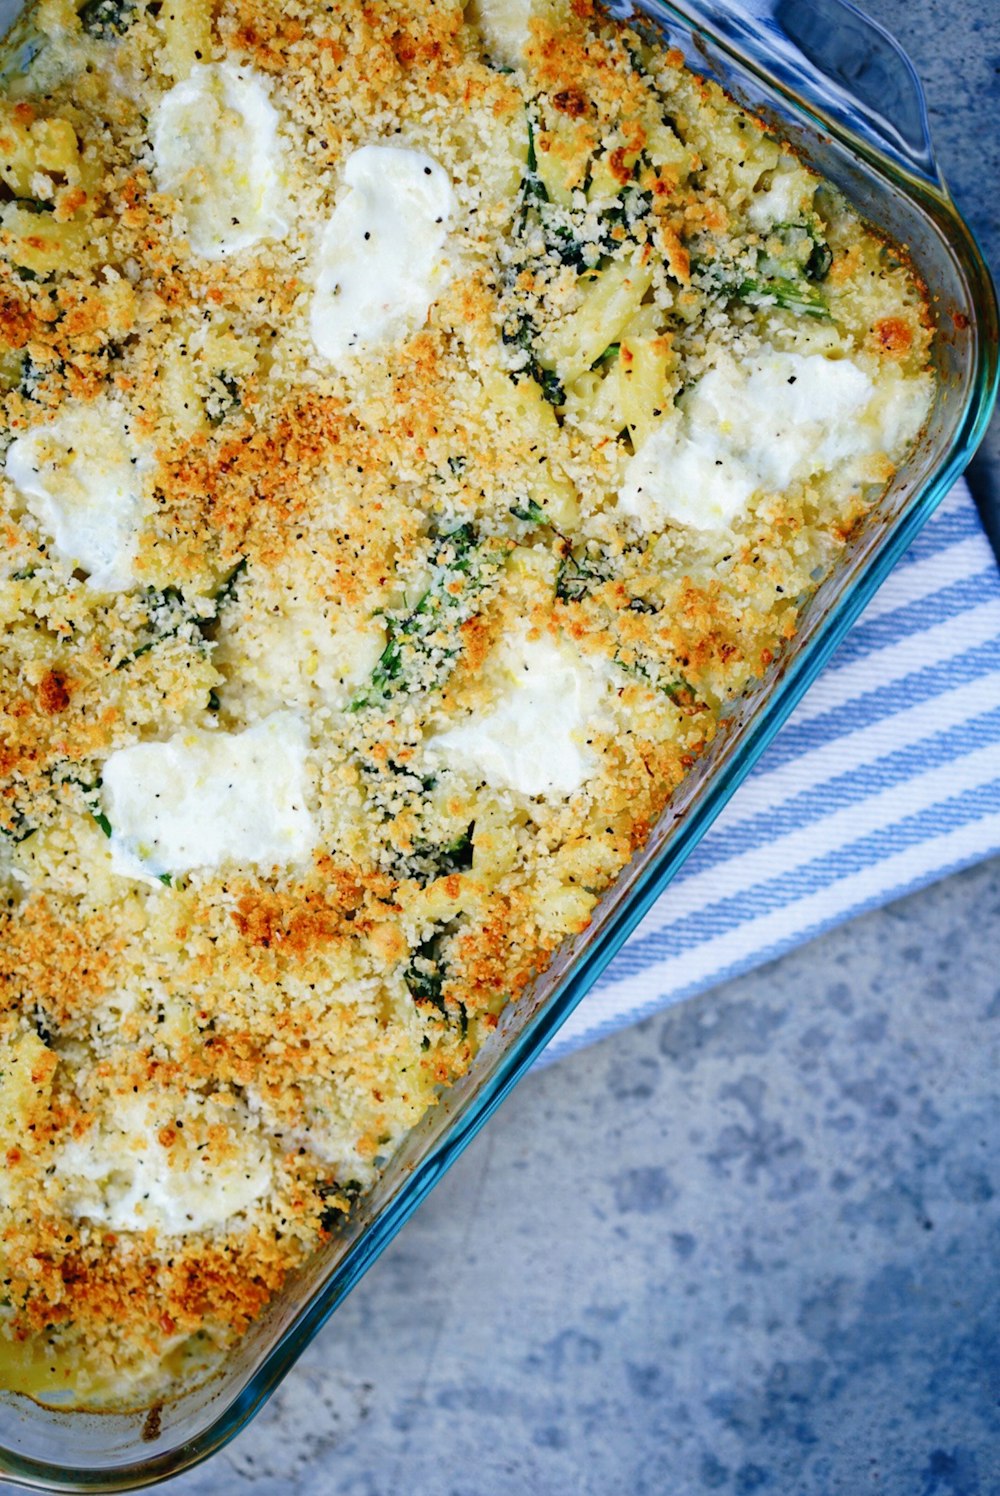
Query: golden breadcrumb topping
{"points": [[418, 427]]}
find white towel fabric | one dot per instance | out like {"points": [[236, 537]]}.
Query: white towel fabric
{"points": [[886, 777]]}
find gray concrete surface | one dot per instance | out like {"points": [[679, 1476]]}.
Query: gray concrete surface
{"points": [[748, 1246]]}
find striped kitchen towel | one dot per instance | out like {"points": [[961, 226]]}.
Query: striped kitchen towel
{"points": [[886, 777]]}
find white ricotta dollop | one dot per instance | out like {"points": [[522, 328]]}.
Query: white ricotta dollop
{"points": [[786, 200], [533, 739], [760, 425], [81, 476], [202, 799], [504, 25], [216, 149], [120, 1174], [382, 259]]}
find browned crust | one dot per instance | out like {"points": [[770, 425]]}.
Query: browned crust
{"points": [[315, 483]]}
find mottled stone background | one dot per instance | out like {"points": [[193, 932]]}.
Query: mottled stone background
{"points": [[750, 1245]]}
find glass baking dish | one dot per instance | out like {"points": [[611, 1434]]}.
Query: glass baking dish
{"points": [[841, 90]]}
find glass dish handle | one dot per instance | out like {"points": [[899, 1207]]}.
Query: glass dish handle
{"points": [[836, 60]]}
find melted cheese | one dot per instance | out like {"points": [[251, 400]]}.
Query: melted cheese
{"points": [[299, 657], [207, 798], [81, 476], [216, 149], [382, 259], [533, 740], [760, 425], [121, 1175], [787, 200], [504, 25]]}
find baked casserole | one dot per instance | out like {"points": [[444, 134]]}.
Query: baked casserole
{"points": [[420, 426]]}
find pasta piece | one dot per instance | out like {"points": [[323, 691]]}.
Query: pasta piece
{"points": [[529, 413], [34, 148], [40, 243], [187, 34], [611, 298], [637, 385]]}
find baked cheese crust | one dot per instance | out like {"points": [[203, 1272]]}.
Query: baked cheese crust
{"points": [[417, 429]]}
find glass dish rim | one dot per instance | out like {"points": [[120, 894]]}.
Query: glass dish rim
{"points": [[802, 669]]}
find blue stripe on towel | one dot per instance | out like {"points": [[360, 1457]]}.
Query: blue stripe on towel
{"points": [[827, 796], [952, 523], [796, 883], [914, 617], [873, 706]]}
